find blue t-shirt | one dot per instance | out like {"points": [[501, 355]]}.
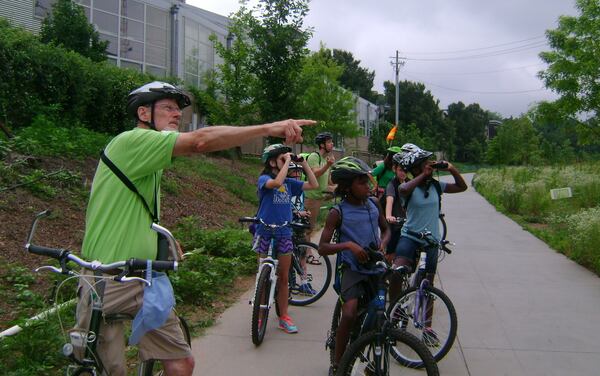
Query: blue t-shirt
{"points": [[276, 205], [360, 224], [422, 214]]}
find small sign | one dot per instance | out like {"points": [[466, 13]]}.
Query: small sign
{"points": [[559, 193]]}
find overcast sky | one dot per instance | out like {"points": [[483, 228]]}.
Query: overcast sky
{"points": [[443, 43]]}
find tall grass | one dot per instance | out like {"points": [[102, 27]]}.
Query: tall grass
{"points": [[571, 225]]}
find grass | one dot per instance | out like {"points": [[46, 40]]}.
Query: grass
{"points": [[570, 225]]}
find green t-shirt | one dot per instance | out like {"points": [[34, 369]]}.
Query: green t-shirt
{"points": [[315, 160], [117, 225], [383, 175]]}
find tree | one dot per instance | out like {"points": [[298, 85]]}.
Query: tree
{"points": [[516, 143], [323, 99], [231, 89], [418, 107], [574, 63], [67, 26], [469, 123], [280, 46], [354, 77]]}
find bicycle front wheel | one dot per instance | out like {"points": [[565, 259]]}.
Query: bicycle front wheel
{"points": [[370, 354], [260, 306], [434, 322], [310, 274], [153, 367]]}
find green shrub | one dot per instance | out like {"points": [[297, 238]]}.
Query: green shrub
{"points": [[39, 79], [46, 137]]}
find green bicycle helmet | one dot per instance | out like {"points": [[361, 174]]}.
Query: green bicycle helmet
{"points": [[348, 168], [274, 150]]}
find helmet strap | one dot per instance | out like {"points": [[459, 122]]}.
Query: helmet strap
{"points": [[150, 123]]}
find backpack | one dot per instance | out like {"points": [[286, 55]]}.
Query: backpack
{"points": [[398, 204], [305, 155], [438, 188], [337, 280]]}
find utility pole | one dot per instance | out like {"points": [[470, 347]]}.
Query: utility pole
{"points": [[397, 64]]}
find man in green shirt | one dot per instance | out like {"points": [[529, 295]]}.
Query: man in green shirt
{"points": [[118, 223], [319, 161]]}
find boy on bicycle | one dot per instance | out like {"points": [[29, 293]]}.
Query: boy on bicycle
{"points": [[275, 190], [358, 220]]}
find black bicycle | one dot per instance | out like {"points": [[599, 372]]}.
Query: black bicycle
{"points": [[374, 337], [413, 310], [82, 348]]}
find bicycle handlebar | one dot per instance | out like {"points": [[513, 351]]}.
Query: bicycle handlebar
{"points": [[297, 225], [64, 256]]}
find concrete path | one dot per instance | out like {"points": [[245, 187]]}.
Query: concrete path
{"points": [[523, 309]]}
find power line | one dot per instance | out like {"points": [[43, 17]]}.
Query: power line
{"points": [[476, 49], [474, 73], [484, 55], [481, 92]]}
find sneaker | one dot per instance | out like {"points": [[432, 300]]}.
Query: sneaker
{"points": [[429, 338], [287, 325], [306, 289]]}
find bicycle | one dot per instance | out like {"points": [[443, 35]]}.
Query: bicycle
{"points": [[374, 337], [310, 273], [82, 348], [413, 310], [265, 288]]}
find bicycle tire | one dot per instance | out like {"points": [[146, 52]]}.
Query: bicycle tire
{"points": [[260, 315], [319, 275], [444, 323], [358, 356], [335, 321], [152, 367]]}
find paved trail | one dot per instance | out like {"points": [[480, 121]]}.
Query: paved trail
{"points": [[523, 309]]}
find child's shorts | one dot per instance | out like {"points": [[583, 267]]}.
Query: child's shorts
{"points": [[355, 285], [261, 244]]}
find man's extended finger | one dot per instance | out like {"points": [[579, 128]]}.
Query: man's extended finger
{"points": [[303, 122]]}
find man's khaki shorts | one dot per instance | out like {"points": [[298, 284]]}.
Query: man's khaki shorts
{"points": [[167, 342]]}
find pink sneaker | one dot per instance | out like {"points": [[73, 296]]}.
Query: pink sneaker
{"points": [[287, 325]]}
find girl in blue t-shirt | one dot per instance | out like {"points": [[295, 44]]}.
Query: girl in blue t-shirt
{"points": [[359, 221], [275, 191]]}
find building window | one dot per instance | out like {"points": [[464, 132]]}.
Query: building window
{"points": [[199, 52]]}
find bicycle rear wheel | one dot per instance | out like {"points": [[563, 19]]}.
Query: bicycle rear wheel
{"points": [[153, 367], [370, 354], [443, 323], [260, 305], [318, 274]]}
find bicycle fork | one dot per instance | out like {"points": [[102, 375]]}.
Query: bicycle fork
{"points": [[272, 265]]}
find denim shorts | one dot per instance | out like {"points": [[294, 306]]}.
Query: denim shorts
{"points": [[408, 248], [261, 244]]}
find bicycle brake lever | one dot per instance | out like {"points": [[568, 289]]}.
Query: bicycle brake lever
{"points": [[48, 267], [130, 279], [381, 264]]}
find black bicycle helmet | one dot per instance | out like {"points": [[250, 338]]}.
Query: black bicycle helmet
{"points": [[150, 93], [410, 156], [323, 137], [348, 168], [274, 150]]}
